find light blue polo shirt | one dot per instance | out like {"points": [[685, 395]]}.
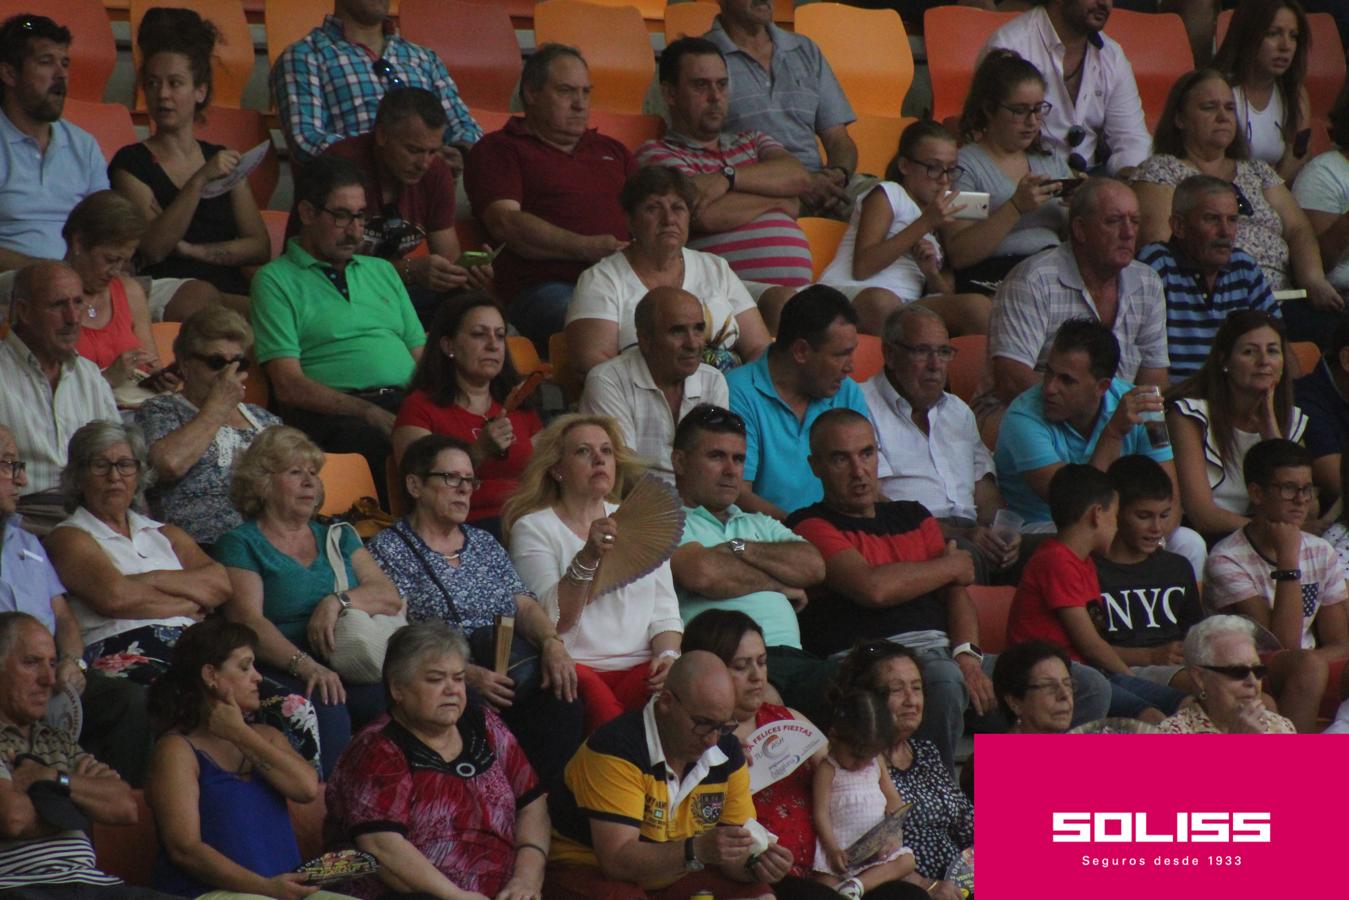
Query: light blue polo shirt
{"points": [[1027, 441], [38, 190], [27, 580], [770, 609], [776, 443]]}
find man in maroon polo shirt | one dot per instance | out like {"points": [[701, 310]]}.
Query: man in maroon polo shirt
{"points": [[547, 187], [410, 195]]}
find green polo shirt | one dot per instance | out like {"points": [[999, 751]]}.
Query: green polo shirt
{"points": [[770, 609], [346, 344]]}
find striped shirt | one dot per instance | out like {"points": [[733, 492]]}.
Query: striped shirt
{"points": [[770, 248], [328, 88], [1193, 311]]}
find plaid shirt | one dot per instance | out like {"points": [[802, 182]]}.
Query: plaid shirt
{"points": [[327, 88]]}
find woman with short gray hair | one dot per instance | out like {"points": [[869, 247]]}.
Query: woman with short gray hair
{"points": [[1220, 651], [452, 786]]}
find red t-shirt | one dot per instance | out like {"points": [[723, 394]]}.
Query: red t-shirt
{"points": [[1054, 578], [102, 346], [577, 191], [499, 476], [429, 203]]}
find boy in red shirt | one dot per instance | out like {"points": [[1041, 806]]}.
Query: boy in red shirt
{"points": [[1060, 580]]}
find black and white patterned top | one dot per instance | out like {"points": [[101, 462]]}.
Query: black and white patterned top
{"points": [[941, 823]]}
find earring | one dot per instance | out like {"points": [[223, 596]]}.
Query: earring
{"points": [[449, 356], [1203, 694]]}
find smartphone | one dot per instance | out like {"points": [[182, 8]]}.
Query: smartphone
{"points": [[1067, 185], [975, 203], [1301, 142], [471, 258]]}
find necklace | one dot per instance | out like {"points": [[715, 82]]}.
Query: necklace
{"points": [[93, 313]]}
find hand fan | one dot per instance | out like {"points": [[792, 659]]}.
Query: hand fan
{"points": [[520, 393], [650, 527]]}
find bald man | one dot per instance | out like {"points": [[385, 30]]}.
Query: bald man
{"points": [[48, 390], [650, 387], [653, 803]]}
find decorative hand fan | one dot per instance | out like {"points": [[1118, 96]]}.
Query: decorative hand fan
{"points": [[521, 392], [650, 526]]}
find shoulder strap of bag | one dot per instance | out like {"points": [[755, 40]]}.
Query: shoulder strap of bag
{"points": [[333, 542], [430, 572]]}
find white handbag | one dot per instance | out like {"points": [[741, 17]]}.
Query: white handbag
{"points": [[360, 638]]}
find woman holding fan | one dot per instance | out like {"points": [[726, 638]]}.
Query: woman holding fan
{"points": [[561, 530]]}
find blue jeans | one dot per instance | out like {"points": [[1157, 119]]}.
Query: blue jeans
{"points": [[337, 721], [540, 310], [1130, 695]]}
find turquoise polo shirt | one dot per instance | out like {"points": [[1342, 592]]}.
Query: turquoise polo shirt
{"points": [[1027, 441], [348, 343], [777, 444], [770, 609]]}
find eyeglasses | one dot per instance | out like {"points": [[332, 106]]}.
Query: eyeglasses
{"points": [[1055, 687], [1029, 110], [344, 217], [1076, 161], [708, 416], [936, 170], [1287, 490], [945, 352], [1243, 203], [703, 726], [124, 466], [454, 479], [217, 361], [13, 468], [1240, 673], [384, 69]]}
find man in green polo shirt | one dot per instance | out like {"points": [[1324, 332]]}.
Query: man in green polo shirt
{"points": [[336, 331], [736, 560]]}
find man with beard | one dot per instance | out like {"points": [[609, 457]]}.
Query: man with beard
{"points": [[336, 331], [329, 83], [1204, 276], [1097, 118], [48, 390], [49, 165]]}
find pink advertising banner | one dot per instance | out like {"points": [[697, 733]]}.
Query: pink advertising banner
{"points": [[1159, 816]]}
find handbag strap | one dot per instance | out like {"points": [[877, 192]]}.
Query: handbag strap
{"points": [[333, 542], [431, 573]]}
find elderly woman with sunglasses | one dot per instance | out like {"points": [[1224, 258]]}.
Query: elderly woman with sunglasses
{"points": [[1220, 651], [195, 436]]}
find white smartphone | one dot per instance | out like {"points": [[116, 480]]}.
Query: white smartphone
{"points": [[975, 203]]}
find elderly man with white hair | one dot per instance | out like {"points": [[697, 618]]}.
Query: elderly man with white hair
{"points": [[1220, 651]]}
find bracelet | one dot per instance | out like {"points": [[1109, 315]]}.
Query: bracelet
{"points": [[933, 886], [525, 845], [576, 561], [668, 654], [293, 667], [578, 576]]}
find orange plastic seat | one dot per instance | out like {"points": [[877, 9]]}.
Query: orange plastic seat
{"points": [[1325, 62], [475, 40], [524, 355], [1308, 354], [784, 14], [1158, 50], [563, 373], [242, 130], [954, 36], [489, 119], [962, 375], [393, 482], [165, 333], [232, 65], [688, 19], [275, 220], [877, 140], [868, 50], [631, 130], [824, 236], [346, 478], [993, 605], [109, 123], [614, 42], [287, 21], [93, 52], [868, 358]]}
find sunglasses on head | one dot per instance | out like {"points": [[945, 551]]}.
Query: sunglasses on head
{"points": [[217, 361], [716, 417], [1239, 673]]}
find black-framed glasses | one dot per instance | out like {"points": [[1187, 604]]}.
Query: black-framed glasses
{"points": [[217, 361], [1240, 673], [706, 415], [124, 466], [1288, 491], [944, 352], [384, 69], [13, 468], [454, 479], [343, 218], [703, 726], [1028, 110], [1244, 205], [936, 170], [1064, 686]]}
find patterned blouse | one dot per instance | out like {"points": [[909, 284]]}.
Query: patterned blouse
{"points": [[199, 502], [1193, 720], [483, 585], [784, 807], [941, 823]]}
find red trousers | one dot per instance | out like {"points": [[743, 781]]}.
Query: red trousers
{"points": [[607, 694]]}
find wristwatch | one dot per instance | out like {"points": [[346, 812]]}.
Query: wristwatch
{"points": [[971, 649], [77, 660], [344, 600], [737, 545], [729, 171], [63, 782], [1286, 574], [691, 861]]}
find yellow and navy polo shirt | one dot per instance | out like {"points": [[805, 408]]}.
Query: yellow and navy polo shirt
{"points": [[620, 775]]}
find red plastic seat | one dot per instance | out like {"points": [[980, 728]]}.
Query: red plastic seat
{"points": [[93, 52], [614, 42], [242, 130], [954, 35], [475, 40], [109, 123], [1158, 49]]}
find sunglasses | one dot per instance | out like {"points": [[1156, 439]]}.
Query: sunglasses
{"points": [[384, 69], [710, 416], [1243, 204], [1240, 673], [1076, 161], [217, 361]]}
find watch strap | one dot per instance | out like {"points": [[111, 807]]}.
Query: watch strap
{"points": [[1286, 574]]}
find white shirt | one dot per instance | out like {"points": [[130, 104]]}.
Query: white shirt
{"points": [[43, 420], [1107, 101], [147, 550], [676, 788], [903, 276], [1323, 186], [622, 387], [1263, 127], [615, 630], [938, 469]]}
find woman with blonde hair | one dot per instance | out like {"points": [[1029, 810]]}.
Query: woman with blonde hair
{"points": [[559, 525]]}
